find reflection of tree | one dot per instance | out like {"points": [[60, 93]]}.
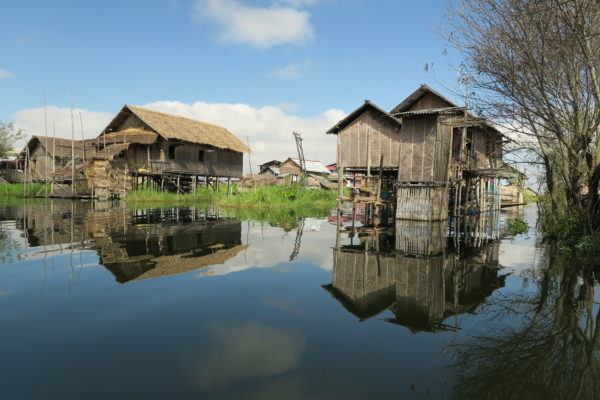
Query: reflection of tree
{"points": [[6, 245], [553, 353]]}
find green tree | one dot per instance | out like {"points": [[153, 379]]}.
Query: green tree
{"points": [[8, 136]]}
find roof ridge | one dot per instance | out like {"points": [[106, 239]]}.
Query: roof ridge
{"points": [[173, 115]]}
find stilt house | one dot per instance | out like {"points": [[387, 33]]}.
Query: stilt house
{"points": [[429, 152], [145, 148]]}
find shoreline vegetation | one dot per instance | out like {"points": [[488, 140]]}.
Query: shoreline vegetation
{"points": [[19, 190], [265, 197]]}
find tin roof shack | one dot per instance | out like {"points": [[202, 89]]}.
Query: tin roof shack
{"points": [[271, 167], [317, 173], [43, 155], [8, 170], [418, 151], [145, 148]]}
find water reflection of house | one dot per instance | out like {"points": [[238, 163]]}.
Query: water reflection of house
{"points": [[167, 249], [416, 273], [132, 244]]}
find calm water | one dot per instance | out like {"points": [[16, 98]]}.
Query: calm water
{"points": [[101, 301]]}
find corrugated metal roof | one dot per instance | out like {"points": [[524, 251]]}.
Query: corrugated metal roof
{"points": [[313, 166]]}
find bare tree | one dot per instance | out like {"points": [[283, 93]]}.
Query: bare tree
{"points": [[533, 65]]}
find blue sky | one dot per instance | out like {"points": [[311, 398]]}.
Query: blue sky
{"points": [[292, 64]]}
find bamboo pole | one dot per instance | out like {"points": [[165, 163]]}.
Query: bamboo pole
{"points": [[46, 143], [82, 138], [53, 154], [72, 150]]}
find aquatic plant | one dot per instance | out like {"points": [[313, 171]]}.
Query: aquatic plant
{"points": [[517, 226]]}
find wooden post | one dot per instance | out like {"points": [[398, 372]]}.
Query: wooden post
{"points": [[368, 157], [228, 186], [340, 182]]}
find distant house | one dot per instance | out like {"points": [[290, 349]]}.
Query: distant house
{"points": [[269, 167], [45, 155], [316, 172], [8, 169], [292, 166]]}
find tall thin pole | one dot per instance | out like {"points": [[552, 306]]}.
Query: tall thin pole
{"points": [[249, 161], [82, 138], [46, 142], [72, 150], [53, 154]]}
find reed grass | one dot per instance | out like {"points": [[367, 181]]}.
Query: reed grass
{"points": [[262, 197], [17, 189]]}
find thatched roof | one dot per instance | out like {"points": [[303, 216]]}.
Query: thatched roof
{"points": [[180, 263], [131, 135], [110, 151], [59, 147], [179, 128]]}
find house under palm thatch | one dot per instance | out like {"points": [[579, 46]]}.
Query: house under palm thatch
{"points": [[145, 148]]}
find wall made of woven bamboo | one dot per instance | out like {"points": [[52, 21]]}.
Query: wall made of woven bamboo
{"points": [[382, 136], [422, 203]]}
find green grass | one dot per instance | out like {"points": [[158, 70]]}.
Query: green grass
{"points": [[282, 205], [16, 189]]}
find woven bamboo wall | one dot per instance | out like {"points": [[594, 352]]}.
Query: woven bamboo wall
{"points": [[429, 101], [358, 274], [383, 138], [420, 294], [422, 203], [420, 237]]}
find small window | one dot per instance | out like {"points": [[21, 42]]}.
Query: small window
{"points": [[201, 155], [171, 152]]}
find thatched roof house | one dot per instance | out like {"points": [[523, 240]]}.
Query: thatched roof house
{"points": [[174, 152], [174, 127]]}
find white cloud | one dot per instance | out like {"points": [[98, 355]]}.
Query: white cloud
{"points": [[32, 121], [291, 71], [262, 27], [269, 128], [298, 3], [4, 74], [244, 352]]}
